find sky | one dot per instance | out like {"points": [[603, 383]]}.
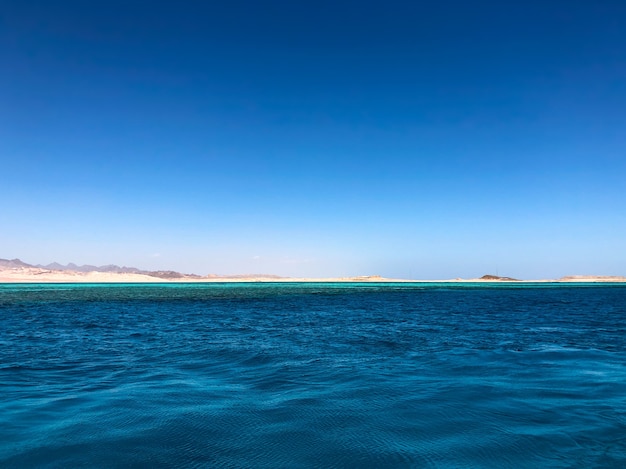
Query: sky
{"points": [[408, 139]]}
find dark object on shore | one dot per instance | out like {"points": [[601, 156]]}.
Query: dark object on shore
{"points": [[495, 277]]}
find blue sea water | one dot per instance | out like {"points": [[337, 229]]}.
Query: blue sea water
{"points": [[313, 375]]}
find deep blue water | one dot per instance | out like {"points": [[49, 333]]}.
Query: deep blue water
{"points": [[312, 375]]}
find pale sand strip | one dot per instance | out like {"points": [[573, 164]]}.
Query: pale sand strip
{"points": [[37, 275]]}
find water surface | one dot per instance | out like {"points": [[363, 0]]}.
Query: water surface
{"points": [[313, 375]]}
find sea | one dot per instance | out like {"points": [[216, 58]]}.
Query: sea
{"points": [[320, 375]]}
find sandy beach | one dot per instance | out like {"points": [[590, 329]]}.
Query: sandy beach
{"points": [[40, 275]]}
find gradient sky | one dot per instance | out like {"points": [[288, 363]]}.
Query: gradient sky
{"points": [[405, 139]]}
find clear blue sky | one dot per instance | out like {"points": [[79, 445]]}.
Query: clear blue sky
{"points": [[405, 139]]}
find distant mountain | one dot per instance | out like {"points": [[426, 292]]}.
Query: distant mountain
{"points": [[116, 269], [111, 268], [13, 264], [53, 266]]}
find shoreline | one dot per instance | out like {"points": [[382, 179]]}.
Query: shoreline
{"points": [[17, 271], [41, 276]]}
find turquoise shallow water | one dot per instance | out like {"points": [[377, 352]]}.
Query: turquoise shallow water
{"points": [[313, 375]]}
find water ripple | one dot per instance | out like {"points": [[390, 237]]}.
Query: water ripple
{"points": [[312, 376]]}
